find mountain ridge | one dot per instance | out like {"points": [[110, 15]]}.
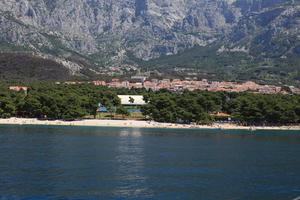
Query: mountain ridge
{"points": [[103, 34]]}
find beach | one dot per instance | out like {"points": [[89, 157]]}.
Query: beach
{"points": [[135, 124]]}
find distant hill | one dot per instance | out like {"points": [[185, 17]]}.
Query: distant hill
{"points": [[26, 66]]}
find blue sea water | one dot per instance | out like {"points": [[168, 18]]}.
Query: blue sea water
{"points": [[39, 162]]}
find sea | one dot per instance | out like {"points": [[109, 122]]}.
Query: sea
{"points": [[74, 163]]}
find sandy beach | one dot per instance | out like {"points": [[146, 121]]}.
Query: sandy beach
{"points": [[134, 124]]}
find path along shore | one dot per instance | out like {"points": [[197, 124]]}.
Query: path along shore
{"points": [[134, 124]]}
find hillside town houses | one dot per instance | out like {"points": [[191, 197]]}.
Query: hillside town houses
{"points": [[177, 85]]}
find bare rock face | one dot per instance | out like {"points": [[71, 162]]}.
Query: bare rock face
{"points": [[106, 31]]}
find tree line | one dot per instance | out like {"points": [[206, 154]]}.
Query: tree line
{"points": [[200, 107], [53, 101], [70, 102]]}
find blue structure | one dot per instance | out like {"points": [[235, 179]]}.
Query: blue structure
{"points": [[101, 108]]}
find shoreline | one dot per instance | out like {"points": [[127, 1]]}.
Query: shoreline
{"points": [[136, 124]]}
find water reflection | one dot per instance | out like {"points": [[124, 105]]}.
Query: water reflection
{"points": [[131, 133], [131, 165]]}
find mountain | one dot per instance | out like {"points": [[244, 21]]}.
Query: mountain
{"points": [[106, 33]]}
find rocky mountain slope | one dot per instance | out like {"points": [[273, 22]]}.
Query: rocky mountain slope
{"points": [[112, 32]]}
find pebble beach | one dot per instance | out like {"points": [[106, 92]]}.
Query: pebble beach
{"points": [[135, 124]]}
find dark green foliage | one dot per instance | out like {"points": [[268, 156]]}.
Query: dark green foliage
{"points": [[26, 66], [122, 111], [277, 109], [9, 101], [169, 107], [131, 100], [67, 102], [244, 107]]}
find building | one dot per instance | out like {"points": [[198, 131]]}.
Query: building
{"points": [[132, 103], [221, 117], [19, 88], [149, 85], [101, 108], [100, 83], [139, 78]]}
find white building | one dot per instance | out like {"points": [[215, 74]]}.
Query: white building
{"points": [[133, 103]]}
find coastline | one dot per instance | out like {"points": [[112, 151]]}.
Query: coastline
{"points": [[136, 124]]}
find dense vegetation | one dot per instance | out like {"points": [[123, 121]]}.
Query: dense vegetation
{"points": [[53, 101], [70, 102], [199, 107], [27, 66]]}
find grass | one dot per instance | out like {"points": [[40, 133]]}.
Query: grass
{"points": [[133, 116]]}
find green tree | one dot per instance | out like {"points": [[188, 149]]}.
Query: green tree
{"points": [[122, 111]]}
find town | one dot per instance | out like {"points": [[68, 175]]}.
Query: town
{"points": [[177, 85]]}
